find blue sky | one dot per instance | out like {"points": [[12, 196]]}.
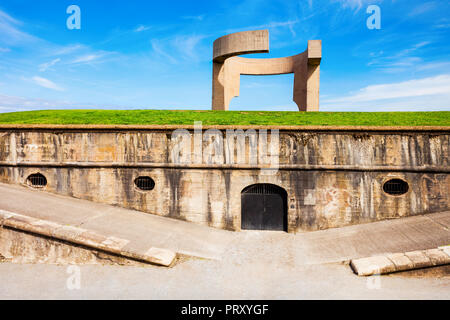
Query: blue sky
{"points": [[157, 54]]}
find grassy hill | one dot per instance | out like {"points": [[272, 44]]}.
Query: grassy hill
{"points": [[165, 117]]}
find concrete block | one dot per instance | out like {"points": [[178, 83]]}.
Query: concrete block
{"points": [[29, 224], [372, 265], [314, 51], [419, 259], [401, 261], [114, 243], [42, 227], [90, 238], [4, 215], [446, 249], [160, 256], [437, 257], [20, 222], [66, 232]]}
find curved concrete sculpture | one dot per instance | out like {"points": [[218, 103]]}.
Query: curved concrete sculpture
{"points": [[227, 68]]}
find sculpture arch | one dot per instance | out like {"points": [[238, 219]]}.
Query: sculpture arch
{"points": [[227, 68]]}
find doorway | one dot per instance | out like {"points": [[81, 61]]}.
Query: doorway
{"points": [[264, 207]]}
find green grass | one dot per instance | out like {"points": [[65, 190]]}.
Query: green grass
{"points": [[165, 117]]}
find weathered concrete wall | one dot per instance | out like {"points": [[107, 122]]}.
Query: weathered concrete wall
{"points": [[332, 177]]}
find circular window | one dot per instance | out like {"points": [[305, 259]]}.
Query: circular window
{"points": [[144, 183], [37, 180], [396, 187]]}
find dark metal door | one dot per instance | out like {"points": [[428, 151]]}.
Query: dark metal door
{"points": [[264, 208]]}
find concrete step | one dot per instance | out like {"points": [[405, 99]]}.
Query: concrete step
{"points": [[403, 261], [83, 237]]}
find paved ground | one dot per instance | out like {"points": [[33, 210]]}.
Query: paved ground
{"points": [[248, 265], [202, 279]]}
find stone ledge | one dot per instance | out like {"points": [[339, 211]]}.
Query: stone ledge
{"points": [[395, 262], [131, 127], [87, 238], [438, 257], [372, 265], [419, 259], [225, 166]]}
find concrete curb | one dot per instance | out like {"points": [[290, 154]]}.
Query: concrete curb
{"points": [[85, 238], [394, 262]]}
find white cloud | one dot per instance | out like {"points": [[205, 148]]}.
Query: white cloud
{"points": [[7, 18], [442, 26], [411, 88], [400, 65], [188, 45], [426, 92], [46, 83], [434, 65], [142, 28], [158, 49], [422, 8], [68, 49], [91, 58], [271, 25], [413, 48], [87, 58], [181, 47], [401, 61], [198, 18], [44, 66], [9, 31], [355, 4], [13, 103], [78, 54]]}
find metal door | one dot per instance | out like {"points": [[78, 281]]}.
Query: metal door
{"points": [[264, 207]]}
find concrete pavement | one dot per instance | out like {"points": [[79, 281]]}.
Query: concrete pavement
{"points": [[213, 279], [240, 265]]}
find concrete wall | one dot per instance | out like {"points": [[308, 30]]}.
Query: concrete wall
{"points": [[333, 177]]}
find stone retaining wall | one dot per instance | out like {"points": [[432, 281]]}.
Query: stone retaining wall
{"points": [[333, 176]]}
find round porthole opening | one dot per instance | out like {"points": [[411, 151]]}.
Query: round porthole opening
{"points": [[395, 187], [37, 180], [144, 183]]}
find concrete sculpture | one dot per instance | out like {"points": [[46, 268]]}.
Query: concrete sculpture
{"points": [[227, 68]]}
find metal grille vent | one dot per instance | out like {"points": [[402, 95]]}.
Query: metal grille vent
{"points": [[396, 187], [263, 189], [37, 180], [144, 183]]}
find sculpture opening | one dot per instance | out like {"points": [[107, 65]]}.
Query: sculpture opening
{"points": [[272, 90]]}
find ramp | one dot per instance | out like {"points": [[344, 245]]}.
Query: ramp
{"points": [[128, 233]]}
